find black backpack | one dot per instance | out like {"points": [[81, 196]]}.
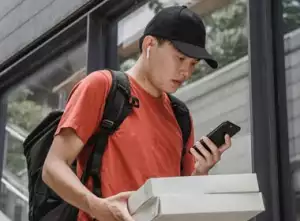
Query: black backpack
{"points": [[45, 204]]}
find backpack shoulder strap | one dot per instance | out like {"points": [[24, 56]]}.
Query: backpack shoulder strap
{"points": [[182, 115], [119, 104]]}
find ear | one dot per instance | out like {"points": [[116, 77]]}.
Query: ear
{"points": [[149, 41]]}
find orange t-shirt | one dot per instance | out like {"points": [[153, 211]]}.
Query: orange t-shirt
{"points": [[148, 143]]}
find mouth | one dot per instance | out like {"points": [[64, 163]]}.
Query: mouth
{"points": [[177, 82]]}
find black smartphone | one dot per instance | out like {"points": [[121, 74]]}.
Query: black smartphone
{"points": [[218, 134]]}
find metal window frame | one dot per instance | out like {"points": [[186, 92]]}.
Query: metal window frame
{"points": [[29, 63], [101, 43], [102, 33], [269, 109], [80, 13], [3, 114]]}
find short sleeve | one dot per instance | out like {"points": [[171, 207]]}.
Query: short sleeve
{"points": [[188, 161], [85, 105]]}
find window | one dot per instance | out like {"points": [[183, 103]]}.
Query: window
{"points": [[28, 103], [291, 17], [212, 96]]}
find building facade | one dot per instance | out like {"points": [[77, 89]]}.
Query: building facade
{"points": [[47, 46]]}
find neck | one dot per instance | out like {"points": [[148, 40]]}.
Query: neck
{"points": [[141, 75]]}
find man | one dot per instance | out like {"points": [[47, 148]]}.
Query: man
{"points": [[148, 143]]}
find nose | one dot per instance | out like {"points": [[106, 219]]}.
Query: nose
{"points": [[186, 74], [186, 70]]}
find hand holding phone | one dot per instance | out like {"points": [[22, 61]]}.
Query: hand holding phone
{"points": [[208, 155], [217, 136]]}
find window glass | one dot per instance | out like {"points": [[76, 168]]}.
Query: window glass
{"points": [[291, 17], [28, 103]]}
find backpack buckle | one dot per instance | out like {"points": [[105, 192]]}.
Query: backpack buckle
{"points": [[107, 124], [134, 101]]}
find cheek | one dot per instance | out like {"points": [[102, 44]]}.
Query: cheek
{"points": [[167, 69], [170, 66], [163, 68]]}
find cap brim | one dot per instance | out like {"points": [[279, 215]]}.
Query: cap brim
{"points": [[194, 51]]}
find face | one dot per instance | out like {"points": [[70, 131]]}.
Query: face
{"points": [[167, 67]]}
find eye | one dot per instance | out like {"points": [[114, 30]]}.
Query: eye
{"points": [[181, 58], [195, 63]]}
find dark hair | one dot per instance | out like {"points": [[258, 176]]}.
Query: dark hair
{"points": [[159, 40]]}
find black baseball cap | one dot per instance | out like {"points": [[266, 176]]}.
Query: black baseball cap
{"points": [[184, 29]]}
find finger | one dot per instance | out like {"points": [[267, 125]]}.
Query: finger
{"points": [[123, 196], [206, 154], [199, 158], [126, 215], [213, 148], [227, 140], [227, 144]]}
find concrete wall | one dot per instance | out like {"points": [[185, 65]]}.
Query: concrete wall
{"points": [[22, 21]]}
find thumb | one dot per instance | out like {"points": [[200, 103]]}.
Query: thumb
{"points": [[124, 195]]}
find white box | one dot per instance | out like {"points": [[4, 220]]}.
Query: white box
{"points": [[198, 198]]}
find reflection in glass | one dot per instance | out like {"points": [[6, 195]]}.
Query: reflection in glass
{"points": [[291, 17], [28, 104]]}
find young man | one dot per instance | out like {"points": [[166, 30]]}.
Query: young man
{"points": [[148, 143]]}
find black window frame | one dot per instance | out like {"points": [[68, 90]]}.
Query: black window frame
{"points": [[269, 119]]}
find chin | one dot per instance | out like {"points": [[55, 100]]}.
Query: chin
{"points": [[171, 90]]}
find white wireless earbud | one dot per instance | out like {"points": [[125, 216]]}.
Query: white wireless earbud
{"points": [[148, 52]]}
